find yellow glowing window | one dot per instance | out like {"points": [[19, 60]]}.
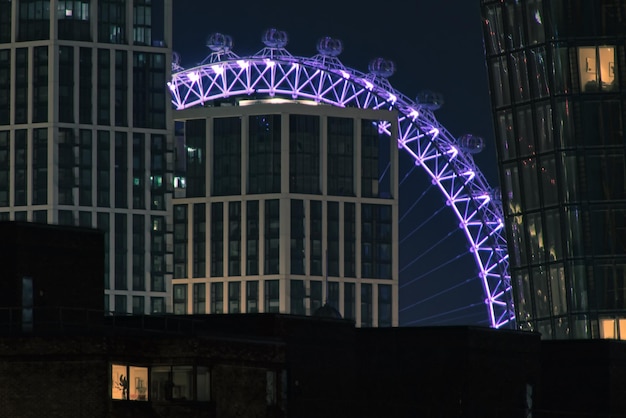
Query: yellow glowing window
{"points": [[597, 67], [607, 328], [129, 382]]}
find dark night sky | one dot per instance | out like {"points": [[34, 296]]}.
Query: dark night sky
{"points": [[436, 45]]}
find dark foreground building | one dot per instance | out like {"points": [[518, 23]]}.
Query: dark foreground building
{"points": [[66, 361], [557, 77]]}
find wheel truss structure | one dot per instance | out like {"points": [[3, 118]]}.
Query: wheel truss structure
{"points": [[274, 72]]}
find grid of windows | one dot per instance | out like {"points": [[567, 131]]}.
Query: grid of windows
{"points": [[376, 241], [158, 252], [104, 86], [121, 88], [315, 238], [5, 82], [304, 154], [340, 156], [272, 237], [142, 22], [121, 251], [40, 84], [112, 21], [73, 20], [217, 298], [252, 237], [554, 77], [234, 238], [66, 166], [234, 297], [121, 170], [332, 238], [103, 163], [40, 166], [5, 21], [349, 239], [66, 84], [199, 240], [139, 250], [21, 165], [85, 85], [217, 239], [180, 241], [85, 168], [158, 172], [199, 298], [195, 147], [252, 296], [264, 154], [297, 236], [226, 156], [139, 169], [21, 85], [149, 96], [5, 168], [33, 20], [272, 296]]}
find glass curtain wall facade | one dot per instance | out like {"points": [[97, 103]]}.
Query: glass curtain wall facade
{"points": [[85, 132], [284, 207], [557, 77]]}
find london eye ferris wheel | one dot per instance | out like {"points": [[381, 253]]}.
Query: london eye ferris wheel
{"points": [[447, 161]]}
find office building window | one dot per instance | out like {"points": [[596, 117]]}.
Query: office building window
{"points": [[142, 22], [120, 304], [217, 298], [73, 20], [157, 253], [315, 238], [104, 87], [376, 241], [315, 295], [349, 301], [272, 237], [139, 251], [180, 299], [85, 168], [597, 67], [121, 251], [340, 156], [297, 295], [85, 85], [104, 225], [252, 296], [195, 146], [103, 162], [272, 296], [332, 295], [226, 177], [366, 305], [217, 239], [121, 170], [139, 169], [234, 297], [5, 80], [370, 141], [199, 298], [112, 21], [384, 305], [129, 383], [40, 84], [40, 166], [5, 168], [332, 233], [66, 84], [252, 237], [234, 238], [297, 236], [121, 88], [41, 216], [349, 240], [5, 22], [33, 20], [21, 85], [158, 172], [180, 383], [304, 154], [138, 305], [67, 164], [157, 305], [21, 164], [149, 96], [180, 241], [264, 154], [199, 240]]}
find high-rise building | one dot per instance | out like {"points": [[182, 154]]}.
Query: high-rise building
{"points": [[282, 203], [84, 131], [275, 218], [557, 80]]}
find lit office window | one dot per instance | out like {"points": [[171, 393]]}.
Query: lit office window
{"points": [[597, 67], [129, 382]]}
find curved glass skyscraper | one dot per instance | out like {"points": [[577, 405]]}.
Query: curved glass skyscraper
{"points": [[556, 70]]}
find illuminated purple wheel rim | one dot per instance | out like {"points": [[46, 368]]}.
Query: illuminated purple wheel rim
{"points": [[323, 78]]}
